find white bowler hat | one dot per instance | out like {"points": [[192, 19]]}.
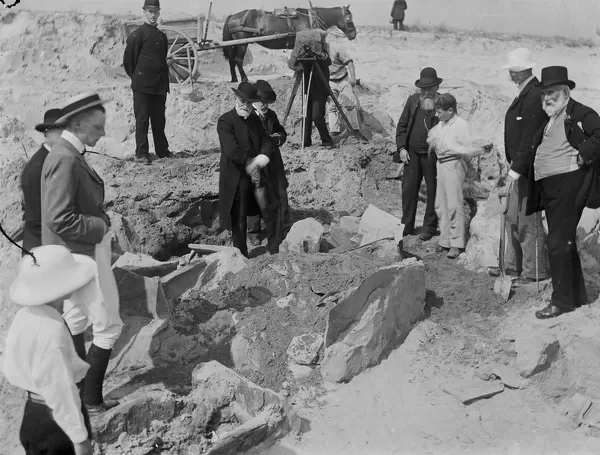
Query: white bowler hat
{"points": [[519, 60], [55, 273], [78, 104]]}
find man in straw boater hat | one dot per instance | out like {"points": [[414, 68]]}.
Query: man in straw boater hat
{"points": [[523, 119], [275, 169], [562, 181], [417, 118], [39, 355], [73, 215], [30, 180], [145, 62], [246, 150]]}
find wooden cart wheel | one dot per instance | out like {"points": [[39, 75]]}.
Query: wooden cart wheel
{"points": [[182, 56]]}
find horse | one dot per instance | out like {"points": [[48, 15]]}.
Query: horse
{"points": [[253, 22]]}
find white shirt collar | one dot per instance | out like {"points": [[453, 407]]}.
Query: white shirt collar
{"points": [[46, 146], [74, 140], [523, 84]]}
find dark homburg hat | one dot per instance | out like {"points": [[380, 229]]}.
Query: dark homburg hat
{"points": [[555, 75], [247, 92], [50, 118], [151, 4], [428, 78], [265, 91], [79, 104]]}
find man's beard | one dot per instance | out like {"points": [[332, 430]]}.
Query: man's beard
{"points": [[427, 103], [556, 106]]}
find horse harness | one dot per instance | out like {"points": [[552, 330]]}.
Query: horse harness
{"points": [[285, 13]]}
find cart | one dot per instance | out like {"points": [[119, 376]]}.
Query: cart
{"points": [[187, 37]]}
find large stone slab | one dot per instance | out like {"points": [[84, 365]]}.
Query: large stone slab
{"points": [[144, 265], [183, 279], [140, 295], [218, 265], [216, 387], [373, 319], [304, 237], [375, 224], [124, 237]]}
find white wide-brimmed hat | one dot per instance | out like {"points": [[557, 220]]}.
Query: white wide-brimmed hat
{"points": [[519, 60], [78, 104], [55, 273]]}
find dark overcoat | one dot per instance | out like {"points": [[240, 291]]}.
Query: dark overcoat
{"points": [[582, 126], [32, 199], [235, 135], [524, 118], [407, 120], [145, 60], [398, 10]]}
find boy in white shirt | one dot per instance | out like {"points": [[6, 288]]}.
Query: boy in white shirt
{"points": [[450, 139], [40, 356]]}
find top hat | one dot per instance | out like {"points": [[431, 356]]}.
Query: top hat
{"points": [[56, 274], [519, 60], [555, 75], [151, 4], [428, 78], [50, 118], [247, 93], [79, 104], [265, 91]]}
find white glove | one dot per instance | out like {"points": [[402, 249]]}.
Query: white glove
{"points": [[261, 160]]}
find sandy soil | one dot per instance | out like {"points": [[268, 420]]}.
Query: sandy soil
{"points": [[396, 407]]}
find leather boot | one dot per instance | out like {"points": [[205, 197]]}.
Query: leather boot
{"points": [[98, 359]]}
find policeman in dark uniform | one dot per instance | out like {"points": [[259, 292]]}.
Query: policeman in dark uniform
{"points": [[145, 61]]}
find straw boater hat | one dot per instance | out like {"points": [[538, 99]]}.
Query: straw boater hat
{"points": [[58, 274], [50, 118], [519, 60], [246, 93], [428, 78], [79, 104], [555, 75], [265, 91]]}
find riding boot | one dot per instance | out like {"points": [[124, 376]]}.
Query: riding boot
{"points": [[98, 359], [79, 342]]}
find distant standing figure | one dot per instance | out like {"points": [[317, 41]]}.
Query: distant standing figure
{"points": [[145, 62], [398, 14], [30, 180]]}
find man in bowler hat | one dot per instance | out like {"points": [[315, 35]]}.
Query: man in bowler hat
{"points": [[145, 61], [418, 117], [566, 151], [246, 150], [30, 180]]}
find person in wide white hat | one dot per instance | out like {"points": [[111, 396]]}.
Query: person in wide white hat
{"points": [[39, 355], [524, 117]]}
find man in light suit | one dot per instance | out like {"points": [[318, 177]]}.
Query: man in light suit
{"points": [[73, 215], [524, 118]]}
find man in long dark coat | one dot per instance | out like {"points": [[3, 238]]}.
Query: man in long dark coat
{"points": [[246, 150], [523, 119], [398, 14], [31, 184], [145, 62], [566, 154]]}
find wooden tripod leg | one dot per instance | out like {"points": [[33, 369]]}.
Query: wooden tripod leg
{"points": [[325, 82], [292, 96]]}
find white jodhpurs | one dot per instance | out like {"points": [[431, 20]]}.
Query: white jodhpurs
{"points": [[98, 305]]}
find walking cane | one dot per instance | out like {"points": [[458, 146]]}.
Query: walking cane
{"points": [[537, 270]]}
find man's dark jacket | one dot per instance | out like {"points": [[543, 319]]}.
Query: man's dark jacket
{"points": [[145, 60], [234, 135], [524, 118], [407, 120], [32, 199], [275, 168], [582, 125]]}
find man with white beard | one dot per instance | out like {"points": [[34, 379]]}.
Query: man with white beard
{"points": [[418, 117], [564, 150]]}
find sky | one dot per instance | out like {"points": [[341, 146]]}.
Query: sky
{"points": [[573, 18]]}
